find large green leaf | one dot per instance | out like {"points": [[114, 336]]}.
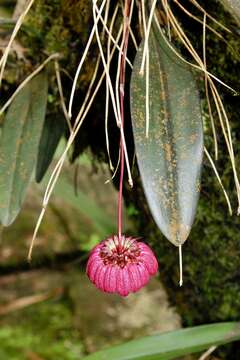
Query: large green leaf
{"points": [[53, 129], [233, 6], [19, 143], [173, 344], [170, 157]]}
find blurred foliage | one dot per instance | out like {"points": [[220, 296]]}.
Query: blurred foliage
{"points": [[44, 330]]}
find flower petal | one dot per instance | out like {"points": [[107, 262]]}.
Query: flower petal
{"points": [[121, 265], [144, 273], [100, 278], [92, 269], [135, 277], [148, 257], [112, 283], [107, 278], [123, 287]]}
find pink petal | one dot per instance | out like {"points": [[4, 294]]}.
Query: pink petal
{"points": [[91, 261], [112, 283], [145, 248], [135, 277], [107, 273], [100, 278], [96, 249], [150, 261], [123, 284], [107, 278], [93, 258], [93, 268], [144, 274]]}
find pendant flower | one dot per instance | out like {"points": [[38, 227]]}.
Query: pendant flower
{"points": [[122, 265]]}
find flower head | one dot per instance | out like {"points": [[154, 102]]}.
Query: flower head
{"points": [[121, 265]]}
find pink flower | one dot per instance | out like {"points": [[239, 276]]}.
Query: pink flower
{"points": [[121, 265]]}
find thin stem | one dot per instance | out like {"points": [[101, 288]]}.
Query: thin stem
{"points": [[83, 59], [60, 90], [77, 124], [219, 180], [147, 33], [107, 88], [126, 30], [114, 102], [18, 25], [180, 266], [206, 88], [199, 20], [120, 196], [207, 353], [28, 78], [195, 3]]}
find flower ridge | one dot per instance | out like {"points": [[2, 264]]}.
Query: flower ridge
{"points": [[121, 265]]}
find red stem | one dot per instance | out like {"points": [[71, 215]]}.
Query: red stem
{"points": [[120, 197], [121, 95]]}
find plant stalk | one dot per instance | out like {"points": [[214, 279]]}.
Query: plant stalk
{"points": [[126, 32]]}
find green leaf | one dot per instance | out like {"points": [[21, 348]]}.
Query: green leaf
{"points": [[233, 6], [170, 158], [19, 143], [173, 344], [52, 131]]}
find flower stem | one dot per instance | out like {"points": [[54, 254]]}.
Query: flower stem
{"points": [[121, 96]]}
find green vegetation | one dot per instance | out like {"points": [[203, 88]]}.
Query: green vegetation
{"points": [[45, 330]]}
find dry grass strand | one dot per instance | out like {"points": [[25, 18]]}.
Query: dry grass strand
{"points": [[18, 25]]}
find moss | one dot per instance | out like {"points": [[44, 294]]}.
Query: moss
{"points": [[50, 28]]}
